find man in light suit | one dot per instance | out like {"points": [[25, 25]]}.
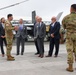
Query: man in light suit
{"points": [[54, 37], [39, 35], [21, 35]]}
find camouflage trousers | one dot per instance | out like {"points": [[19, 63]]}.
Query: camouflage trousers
{"points": [[9, 46], [71, 47]]}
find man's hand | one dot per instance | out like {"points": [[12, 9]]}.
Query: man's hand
{"points": [[2, 36], [16, 28], [52, 35]]}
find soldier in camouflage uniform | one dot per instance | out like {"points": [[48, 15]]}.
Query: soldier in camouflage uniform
{"points": [[69, 23], [9, 36]]}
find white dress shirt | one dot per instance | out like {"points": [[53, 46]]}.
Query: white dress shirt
{"points": [[53, 24]]}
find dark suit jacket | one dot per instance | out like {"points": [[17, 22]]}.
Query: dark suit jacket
{"points": [[2, 30], [22, 33], [55, 30], [42, 32]]}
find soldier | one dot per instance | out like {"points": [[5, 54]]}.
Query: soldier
{"points": [[69, 23], [9, 36]]}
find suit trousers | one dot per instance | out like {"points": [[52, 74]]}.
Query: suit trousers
{"points": [[21, 41], [53, 42], [40, 42], [1, 44], [36, 44]]}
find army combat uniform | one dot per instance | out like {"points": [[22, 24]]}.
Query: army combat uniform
{"points": [[9, 39], [69, 23]]}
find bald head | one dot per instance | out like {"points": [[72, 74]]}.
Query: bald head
{"points": [[39, 19], [53, 19], [36, 18], [21, 21]]}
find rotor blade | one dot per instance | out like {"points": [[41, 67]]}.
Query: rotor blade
{"points": [[13, 4]]}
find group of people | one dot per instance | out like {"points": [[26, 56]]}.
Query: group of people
{"points": [[68, 22], [40, 33], [6, 36]]}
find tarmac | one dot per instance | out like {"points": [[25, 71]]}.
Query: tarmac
{"points": [[31, 64]]}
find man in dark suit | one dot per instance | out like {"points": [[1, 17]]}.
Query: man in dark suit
{"points": [[21, 35], [2, 35], [54, 37], [39, 35], [36, 18]]}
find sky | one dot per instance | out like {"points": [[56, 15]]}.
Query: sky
{"points": [[44, 8]]}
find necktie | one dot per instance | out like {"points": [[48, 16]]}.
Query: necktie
{"points": [[39, 29], [21, 27]]}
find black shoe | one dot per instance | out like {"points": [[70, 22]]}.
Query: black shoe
{"points": [[3, 55], [36, 53], [17, 54], [42, 56], [48, 56], [21, 53], [55, 56], [39, 55]]}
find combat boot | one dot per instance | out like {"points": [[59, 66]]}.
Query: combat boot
{"points": [[70, 68], [10, 58]]}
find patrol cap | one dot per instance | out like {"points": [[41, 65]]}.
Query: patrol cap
{"points": [[73, 6]]}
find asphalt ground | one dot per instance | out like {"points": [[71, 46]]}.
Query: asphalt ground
{"points": [[31, 64]]}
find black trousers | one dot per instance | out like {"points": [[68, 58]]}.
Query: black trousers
{"points": [[40, 42], [21, 41], [1, 44], [53, 42], [36, 44]]}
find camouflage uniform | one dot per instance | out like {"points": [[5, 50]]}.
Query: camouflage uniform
{"points": [[9, 36], [69, 23]]}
